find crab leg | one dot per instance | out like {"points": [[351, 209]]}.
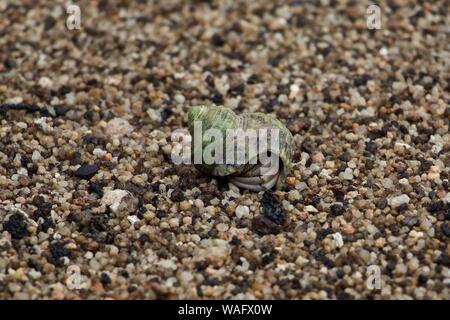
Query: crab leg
{"points": [[257, 183]]}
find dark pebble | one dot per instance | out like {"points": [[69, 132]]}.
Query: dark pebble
{"points": [[315, 200], [105, 279], [263, 225], [177, 195], [144, 239], [307, 146], [425, 165], [269, 105], [212, 232], [322, 258], [237, 90], [155, 186], [371, 147], [444, 259], [299, 124], [63, 90], [72, 217], [272, 208], [342, 295], [337, 209], [131, 288], [124, 273], [211, 282], [86, 171], [47, 224], [253, 79], [61, 110], [323, 233], [402, 208], [92, 82], [382, 203], [165, 114], [391, 265], [24, 161], [43, 208], [422, 280], [235, 241], [272, 218], [57, 251], [266, 259], [49, 23], [16, 226], [217, 98], [395, 229], [96, 187], [94, 140], [339, 195], [9, 63], [346, 156], [446, 184], [361, 80], [201, 265], [436, 206], [186, 181], [19, 106], [446, 229], [161, 214], [89, 115], [217, 40]]}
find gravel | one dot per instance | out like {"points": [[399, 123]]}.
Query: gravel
{"points": [[86, 171], [16, 226]]}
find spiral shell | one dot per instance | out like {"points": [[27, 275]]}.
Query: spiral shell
{"points": [[252, 172]]}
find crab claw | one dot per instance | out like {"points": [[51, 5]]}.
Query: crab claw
{"points": [[259, 178]]}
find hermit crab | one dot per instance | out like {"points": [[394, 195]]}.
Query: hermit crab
{"points": [[261, 163]]}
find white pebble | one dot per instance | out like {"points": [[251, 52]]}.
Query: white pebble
{"points": [[311, 209], [118, 200], [45, 82], [118, 126], [294, 195], [399, 200], [242, 211], [338, 240], [133, 219], [347, 174], [179, 98], [387, 183], [36, 157], [356, 100], [222, 227]]}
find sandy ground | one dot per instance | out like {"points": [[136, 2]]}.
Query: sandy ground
{"points": [[91, 205]]}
